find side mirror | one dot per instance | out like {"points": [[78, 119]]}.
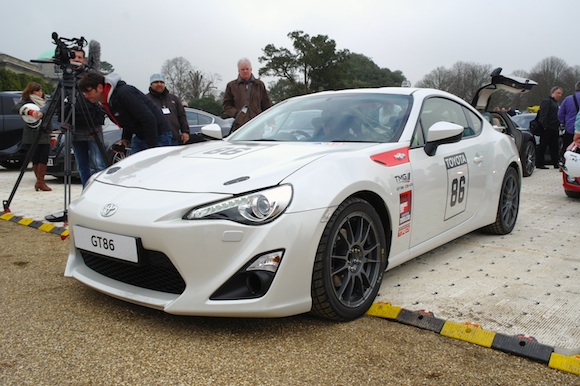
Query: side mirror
{"points": [[212, 130], [441, 133]]}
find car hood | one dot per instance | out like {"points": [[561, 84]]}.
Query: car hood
{"points": [[219, 166], [511, 84]]}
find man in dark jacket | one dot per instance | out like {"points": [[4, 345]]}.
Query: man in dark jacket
{"points": [[171, 106], [246, 96], [143, 124], [549, 121]]}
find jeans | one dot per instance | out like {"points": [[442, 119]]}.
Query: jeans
{"points": [[138, 144], [89, 159]]}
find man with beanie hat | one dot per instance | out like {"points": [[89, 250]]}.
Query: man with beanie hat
{"points": [[172, 108]]}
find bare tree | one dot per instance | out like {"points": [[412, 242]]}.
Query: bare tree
{"points": [[176, 72], [202, 85], [550, 72], [183, 80], [463, 79]]}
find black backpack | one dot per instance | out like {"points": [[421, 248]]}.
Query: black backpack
{"points": [[536, 126]]}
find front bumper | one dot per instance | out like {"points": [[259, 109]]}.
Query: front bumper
{"points": [[204, 254]]}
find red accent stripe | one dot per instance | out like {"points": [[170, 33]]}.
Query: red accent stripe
{"points": [[392, 158]]}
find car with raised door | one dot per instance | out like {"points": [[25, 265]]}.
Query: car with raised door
{"points": [[300, 210], [502, 121]]}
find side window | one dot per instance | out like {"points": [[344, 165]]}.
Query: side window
{"points": [[474, 126], [204, 119], [191, 118]]}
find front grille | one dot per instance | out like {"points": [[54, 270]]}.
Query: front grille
{"points": [[154, 271]]}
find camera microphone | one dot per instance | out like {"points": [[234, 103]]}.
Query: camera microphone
{"points": [[94, 62]]}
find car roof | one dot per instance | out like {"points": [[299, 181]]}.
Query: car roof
{"points": [[510, 83]]}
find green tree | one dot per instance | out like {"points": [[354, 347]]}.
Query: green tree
{"points": [[12, 81], [313, 66], [209, 104], [360, 71]]}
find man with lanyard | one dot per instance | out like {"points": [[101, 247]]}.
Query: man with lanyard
{"points": [[171, 107], [246, 96]]}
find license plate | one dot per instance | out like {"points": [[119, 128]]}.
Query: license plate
{"points": [[107, 244], [50, 162]]}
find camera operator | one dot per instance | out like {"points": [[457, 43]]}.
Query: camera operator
{"points": [[86, 151], [143, 123]]}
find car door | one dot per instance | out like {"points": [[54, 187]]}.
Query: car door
{"points": [[449, 184]]}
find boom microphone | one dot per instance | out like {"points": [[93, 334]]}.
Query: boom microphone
{"points": [[94, 62]]}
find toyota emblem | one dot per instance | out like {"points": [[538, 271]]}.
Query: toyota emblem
{"points": [[108, 210]]}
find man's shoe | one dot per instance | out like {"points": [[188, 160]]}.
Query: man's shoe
{"points": [[542, 167]]}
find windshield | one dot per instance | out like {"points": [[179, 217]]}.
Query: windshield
{"points": [[523, 120], [331, 117]]}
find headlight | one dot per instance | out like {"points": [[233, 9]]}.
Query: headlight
{"points": [[252, 209]]}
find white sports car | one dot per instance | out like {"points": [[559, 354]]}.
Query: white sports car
{"points": [[300, 210]]}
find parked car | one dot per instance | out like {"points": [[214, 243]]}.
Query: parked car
{"points": [[300, 210], [502, 121], [11, 126], [523, 122], [571, 172], [12, 154], [198, 118], [56, 159]]}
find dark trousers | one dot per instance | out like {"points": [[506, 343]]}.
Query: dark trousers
{"points": [[548, 139], [567, 139]]}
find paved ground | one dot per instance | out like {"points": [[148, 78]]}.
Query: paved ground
{"points": [[524, 283]]}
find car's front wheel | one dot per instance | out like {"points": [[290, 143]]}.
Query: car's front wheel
{"points": [[529, 161], [350, 262], [509, 204]]}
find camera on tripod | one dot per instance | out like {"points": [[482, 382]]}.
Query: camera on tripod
{"points": [[63, 51]]}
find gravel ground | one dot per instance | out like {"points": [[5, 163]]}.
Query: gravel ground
{"points": [[56, 331]]}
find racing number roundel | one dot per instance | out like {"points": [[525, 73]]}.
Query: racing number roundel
{"points": [[457, 184]]}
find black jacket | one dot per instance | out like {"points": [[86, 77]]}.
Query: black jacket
{"points": [[549, 114], [135, 112]]}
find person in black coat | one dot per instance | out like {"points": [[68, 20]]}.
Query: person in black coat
{"points": [[549, 120], [143, 123]]}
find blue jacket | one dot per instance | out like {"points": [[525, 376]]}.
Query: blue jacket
{"points": [[567, 112]]}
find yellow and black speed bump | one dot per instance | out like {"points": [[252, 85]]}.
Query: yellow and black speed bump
{"points": [[48, 228], [422, 319], [520, 345], [524, 346]]}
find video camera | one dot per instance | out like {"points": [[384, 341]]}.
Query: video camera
{"points": [[63, 51]]}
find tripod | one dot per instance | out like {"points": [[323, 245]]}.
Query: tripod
{"points": [[66, 93]]}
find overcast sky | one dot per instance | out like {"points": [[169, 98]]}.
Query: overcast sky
{"points": [[413, 36]]}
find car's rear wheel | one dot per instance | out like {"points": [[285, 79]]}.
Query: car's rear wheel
{"points": [[572, 193], [529, 161], [350, 262], [509, 204]]}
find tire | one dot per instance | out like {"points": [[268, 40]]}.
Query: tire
{"points": [[509, 204], [11, 164], [350, 262], [529, 159], [572, 193], [114, 157]]}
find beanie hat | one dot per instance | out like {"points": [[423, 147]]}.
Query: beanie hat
{"points": [[156, 78]]}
